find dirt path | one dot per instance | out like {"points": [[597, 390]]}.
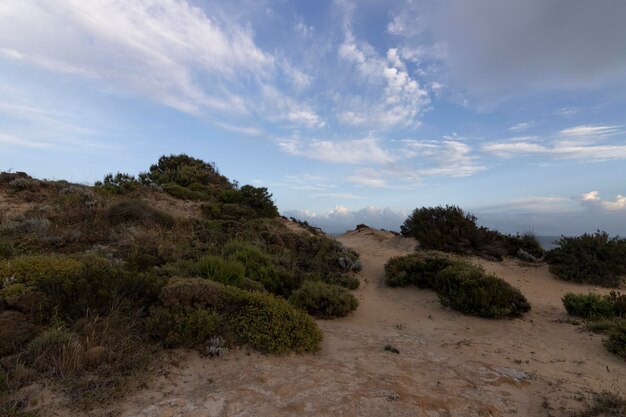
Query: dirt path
{"points": [[449, 364]]}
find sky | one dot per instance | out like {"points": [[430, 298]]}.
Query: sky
{"points": [[347, 111]]}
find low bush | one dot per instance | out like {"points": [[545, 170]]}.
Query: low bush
{"points": [[262, 321], [15, 331], [346, 281], [184, 193], [462, 286], [418, 269], [595, 306], [616, 341], [120, 183], [589, 258], [466, 288], [218, 269], [183, 326], [72, 286], [137, 211], [324, 301], [185, 170]]}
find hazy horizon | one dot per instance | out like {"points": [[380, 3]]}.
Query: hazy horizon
{"points": [[348, 112]]}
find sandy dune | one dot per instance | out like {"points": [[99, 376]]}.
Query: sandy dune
{"points": [[449, 364]]}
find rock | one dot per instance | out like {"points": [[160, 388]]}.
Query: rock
{"points": [[525, 256]]}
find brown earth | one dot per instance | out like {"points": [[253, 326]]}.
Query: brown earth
{"points": [[449, 364]]}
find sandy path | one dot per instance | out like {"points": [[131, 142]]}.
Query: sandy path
{"points": [[449, 364]]}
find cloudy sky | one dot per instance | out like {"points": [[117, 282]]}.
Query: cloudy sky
{"points": [[348, 111]]}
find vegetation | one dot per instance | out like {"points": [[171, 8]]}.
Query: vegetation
{"points": [[450, 229], [606, 315], [604, 404], [460, 285], [96, 281], [591, 258], [323, 300]]}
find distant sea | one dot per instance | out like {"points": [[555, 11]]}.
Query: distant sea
{"points": [[548, 241]]}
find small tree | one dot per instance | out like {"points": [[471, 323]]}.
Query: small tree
{"points": [[185, 171]]}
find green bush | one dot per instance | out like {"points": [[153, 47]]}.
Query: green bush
{"points": [[418, 269], [137, 211], [184, 193], [324, 301], [225, 271], [73, 286], [260, 200], [346, 281], [182, 326], [185, 171], [616, 342], [462, 286], [527, 242], [468, 289], [264, 322], [591, 306], [590, 258], [119, 183], [269, 324]]}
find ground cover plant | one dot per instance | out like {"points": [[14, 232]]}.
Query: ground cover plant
{"points": [[96, 281], [450, 229], [605, 314], [590, 258], [463, 286]]}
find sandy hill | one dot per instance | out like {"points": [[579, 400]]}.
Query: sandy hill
{"points": [[448, 364]]}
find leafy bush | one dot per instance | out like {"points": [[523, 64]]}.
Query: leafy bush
{"points": [[187, 327], [184, 193], [224, 271], [120, 183], [468, 289], [450, 229], [591, 258], [264, 322], [137, 211], [462, 286], [324, 301], [185, 171], [595, 306], [260, 200], [418, 269], [616, 342], [73, 286]]}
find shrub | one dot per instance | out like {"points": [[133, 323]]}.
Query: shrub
{"points": [[260, 200], [187, 327], [137, 211], [264, 322], [418, 269], [216, 268], [120, 183], [616, 342], [346, 281], [590, 306], [15, 331], [591, 258], [527, 242], [184, 193], [469, 290], [185, 171], [269, 324], [324, 301], [73, 286], [462, 286]]}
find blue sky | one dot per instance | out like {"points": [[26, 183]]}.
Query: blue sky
{"points": [[348, 111]]}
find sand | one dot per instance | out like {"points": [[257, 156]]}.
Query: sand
{"points": [[449, 364]]}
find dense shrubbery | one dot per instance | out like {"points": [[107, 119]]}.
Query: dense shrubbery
{"points": [[262, 321], [450, 229], [591, 258], [323, 300], [595, 306], [462, 286], [607, 315], [91, 278]]}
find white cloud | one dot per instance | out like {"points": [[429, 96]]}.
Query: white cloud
{"points": [[349, 152], [521, 127], [24, 143], [586, 130], [452, 158], [593, 199], [169, 51], [390, 96], [341, 218]]}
